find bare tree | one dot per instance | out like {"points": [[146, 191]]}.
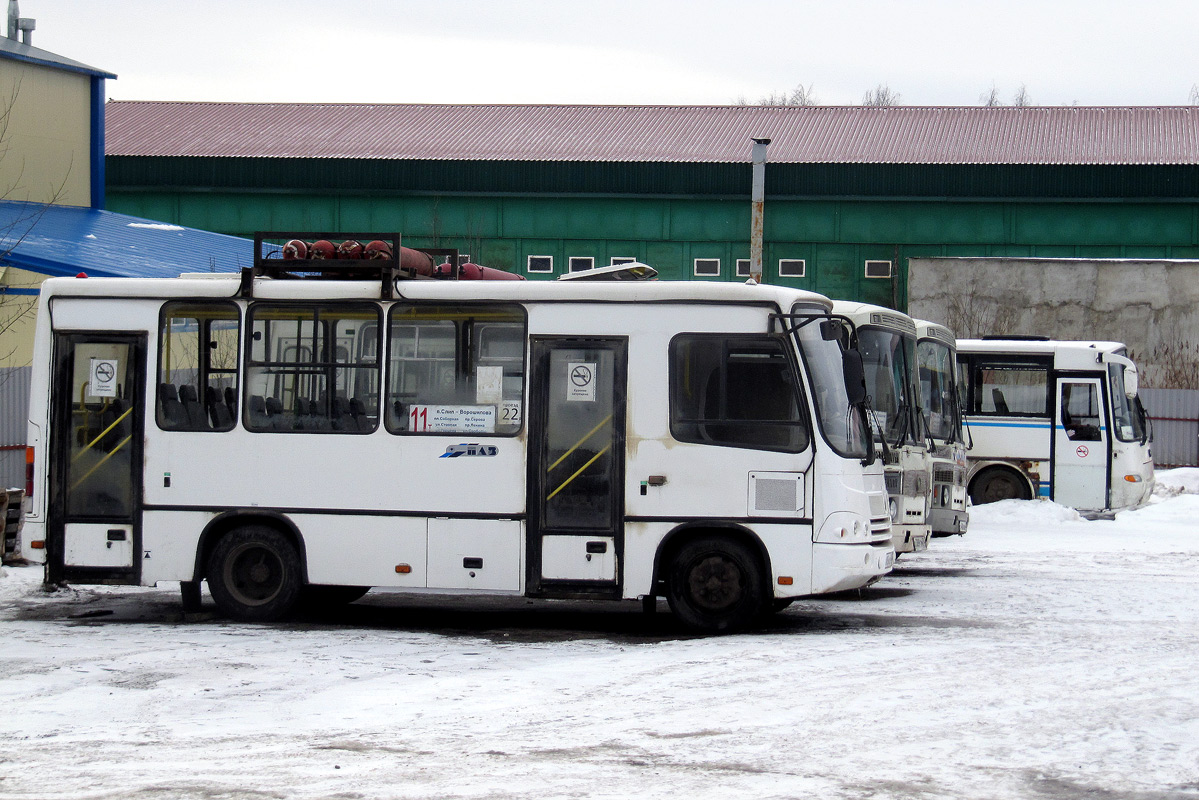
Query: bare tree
{"points": [[799, 96], [881, 96], [1021, 99], [1194, 96], [990, 98]]}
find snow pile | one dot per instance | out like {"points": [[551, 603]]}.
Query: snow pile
{"points": [[1173, 482]]}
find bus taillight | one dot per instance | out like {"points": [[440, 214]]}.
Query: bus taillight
{"points": [[29, 472]]}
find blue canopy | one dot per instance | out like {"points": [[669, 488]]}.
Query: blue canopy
{"points": [[66, 240]]}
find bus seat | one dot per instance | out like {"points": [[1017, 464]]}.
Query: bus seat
{"points": [[358, 413], [1000, 402], [231, 402], [278, 418], [191, 407], [218, 413], [341, 414], [173, 416], [258, 415]]}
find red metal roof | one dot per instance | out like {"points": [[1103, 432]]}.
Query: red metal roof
{"points": [[818, 134]]}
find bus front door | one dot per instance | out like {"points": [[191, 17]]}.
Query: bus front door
{"points": [[94, 514], [576, 467], [1080, 445]]}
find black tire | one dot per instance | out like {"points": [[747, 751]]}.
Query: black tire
{"points": [[997, 483], [254, 574], [716, 585], [315, 597]]}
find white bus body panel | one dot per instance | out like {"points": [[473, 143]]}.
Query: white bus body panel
{"points": [[388, 502]]}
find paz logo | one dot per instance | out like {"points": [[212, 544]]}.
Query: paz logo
{"points": [[458, 450]]}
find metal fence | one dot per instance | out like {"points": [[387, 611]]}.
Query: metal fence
{"points": [[1175, 415], [14, 412]]}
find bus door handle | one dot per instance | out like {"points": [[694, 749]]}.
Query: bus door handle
{"points": [[653, 480]]}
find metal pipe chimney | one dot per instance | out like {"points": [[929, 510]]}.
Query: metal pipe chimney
{"points": [[757, 202], [18, 25]]}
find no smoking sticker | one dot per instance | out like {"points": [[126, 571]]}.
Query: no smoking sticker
{"points": [[103, 377], [1082, 451], [580, 381]]}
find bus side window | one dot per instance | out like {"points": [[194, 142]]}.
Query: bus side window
{"points": [[197, 366], [455, 369], [1010, 389], [735, 391], [1080, 412], [312, 368]]}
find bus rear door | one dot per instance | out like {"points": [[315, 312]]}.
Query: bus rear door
{"points": [[94, 532]]}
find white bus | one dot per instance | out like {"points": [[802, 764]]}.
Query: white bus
{"points": [[936, 356], [887, 342], [1055, 419], [304, 440]]}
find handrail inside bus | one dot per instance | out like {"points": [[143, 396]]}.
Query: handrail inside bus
{"points": [[102, 434], [578, 472], [579, 444], [100, 463]]}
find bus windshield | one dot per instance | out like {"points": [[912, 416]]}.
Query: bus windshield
{"points": [[842, 423], [886, 359], [1127, 418], [937, 390]]}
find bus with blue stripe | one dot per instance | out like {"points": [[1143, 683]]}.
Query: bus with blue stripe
{"points": [[1055, 419]]}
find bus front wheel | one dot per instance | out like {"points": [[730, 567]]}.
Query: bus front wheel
{"points": [[716, 585], [254, 574], [998, 483]]}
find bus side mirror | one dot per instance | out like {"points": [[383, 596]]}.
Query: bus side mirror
{"points": [[830, 330], [855, 376]]}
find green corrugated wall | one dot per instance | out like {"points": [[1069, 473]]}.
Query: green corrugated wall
{"points": [[834, 217]]}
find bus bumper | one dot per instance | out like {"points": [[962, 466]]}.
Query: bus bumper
{"points": [[948, 521], [909, 538], [838, 567]]}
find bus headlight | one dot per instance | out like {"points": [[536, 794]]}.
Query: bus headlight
{"points": [[893, 507]]}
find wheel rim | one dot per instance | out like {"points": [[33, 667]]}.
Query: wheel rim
{"points": [[1000, 487], [254, 574], [715, 582]]}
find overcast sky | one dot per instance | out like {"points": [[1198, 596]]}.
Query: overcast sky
{"points": [[931, 52]]}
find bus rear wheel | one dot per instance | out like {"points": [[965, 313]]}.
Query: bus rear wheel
{"points": [[997, 483], [254, 574], [716, 585]]}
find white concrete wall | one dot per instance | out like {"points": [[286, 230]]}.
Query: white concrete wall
{"points": [[1150, 305]]}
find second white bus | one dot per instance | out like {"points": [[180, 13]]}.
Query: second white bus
{"points": [[887, 341]]}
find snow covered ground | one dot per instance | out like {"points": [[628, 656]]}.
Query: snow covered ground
{"points": [[1039, 656]]}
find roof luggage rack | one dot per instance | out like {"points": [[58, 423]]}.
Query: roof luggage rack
{"points": [[290, 255]]}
